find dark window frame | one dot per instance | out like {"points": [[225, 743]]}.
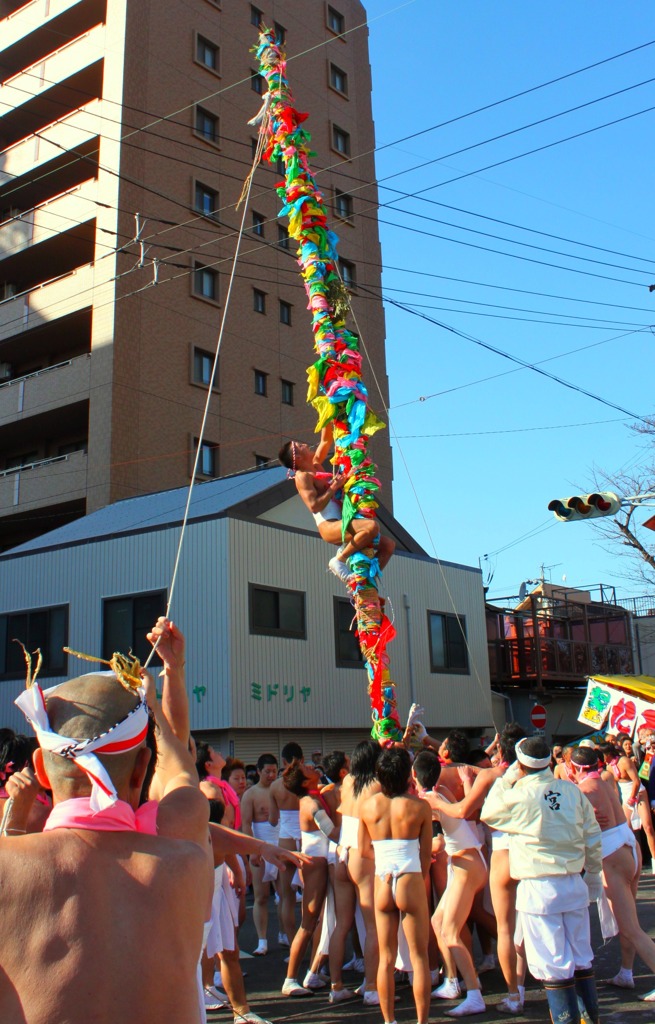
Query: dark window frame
{"points": [[335, 73], [203, 353], [348, 271], [340, 660], [448, 668], [262, 461], [280, 33], [285, 310], [200, 268], [202, 43], [256, 16], [12, 653], [279, 632], [140, 647], [288, 387], [258, 222], [207, 190], [209, 446], [257, 82], [283, 236], [261, 375], [259, 301], [340, 133], [333, 13], [200, 133], [346, 200]]}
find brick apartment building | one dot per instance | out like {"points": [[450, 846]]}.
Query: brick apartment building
{"points": [[112, 110]]}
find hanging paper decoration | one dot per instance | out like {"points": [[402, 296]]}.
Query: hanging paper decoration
{"points": [[335, 386]]}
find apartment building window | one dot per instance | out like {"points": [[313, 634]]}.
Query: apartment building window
{"points": [[205, 282], [447, 636], [45, 628], [261, 383], [127, 619], [340, 140], [338, 79], [206, 201], [259, 301], [257, 82], [203, 363], [282, 236], [348, 273], [206, 125], [287, 392], [280, 33], [256, 16], [343, 204], [207, 53], [15, 462], [335, 20], [253, 147], [208, 458], [348, 654], [258, 221], [262, 461], [285, 312], [277, 612]]}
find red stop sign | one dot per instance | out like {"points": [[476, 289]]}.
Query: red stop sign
{"points": [[538, 716]]}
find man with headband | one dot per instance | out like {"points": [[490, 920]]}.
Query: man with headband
{"points": [[103, 912], [321, 493], [554, 835]]}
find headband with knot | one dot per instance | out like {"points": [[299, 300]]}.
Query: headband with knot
{"points": [[530, 762]]}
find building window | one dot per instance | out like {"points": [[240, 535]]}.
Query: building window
{"points": [[258, 221], [207, 53], [275, 612], [253, 147], [44, 628], [336, 21], [287, 392], [206, 125], [338, 79], [203, 363], [260, 383], [206, 200], [447, 635], [205, 282], [259, 301], [208, 458], [340, 140], [282, 236], [348, 274], [256, 16], [257, 82], [348, 654], [280, 33], [262, 461], [343, 204], [279, 167], [126, 620], [285, 312]]}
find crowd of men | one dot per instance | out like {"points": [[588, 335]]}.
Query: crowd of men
{"points": [[128, 849]]}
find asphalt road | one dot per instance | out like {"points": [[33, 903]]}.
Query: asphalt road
{"points": [[265, 976]]}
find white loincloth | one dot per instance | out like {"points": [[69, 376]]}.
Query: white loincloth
{"points": [[223, 919], [329, 922], [396, 857], [329, 514], [499, 840], [315, 844], [625, 786], [268, 834], [290, 826], [552, 919], [611, 841]]}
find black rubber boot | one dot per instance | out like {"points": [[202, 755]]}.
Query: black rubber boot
{"points": [[562, 1001], [585, 987]]}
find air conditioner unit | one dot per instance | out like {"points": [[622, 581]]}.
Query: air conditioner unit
{"points": [[5, 371]]}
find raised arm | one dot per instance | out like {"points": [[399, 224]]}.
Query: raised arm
{"points": [[314, 501], [174, 699], [324, 446], [473, 800]]}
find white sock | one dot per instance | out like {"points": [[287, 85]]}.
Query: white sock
{"points": [[625, 973], [474, 1003]]}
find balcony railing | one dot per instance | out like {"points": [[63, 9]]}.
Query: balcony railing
{"points": [[46, 389], [47, 482], [552, 662]]}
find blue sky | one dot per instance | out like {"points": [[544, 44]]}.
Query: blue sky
{"points": [[478, 476]]}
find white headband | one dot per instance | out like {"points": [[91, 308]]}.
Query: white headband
{"points": [[530, 762], [125, 735]]}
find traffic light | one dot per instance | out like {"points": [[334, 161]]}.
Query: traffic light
{"points": [[585, 506]]}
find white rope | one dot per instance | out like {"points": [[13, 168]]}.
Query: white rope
{"points": [[201, 434]]}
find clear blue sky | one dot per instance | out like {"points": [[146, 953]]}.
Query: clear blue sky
{"points": [[482, 475]]}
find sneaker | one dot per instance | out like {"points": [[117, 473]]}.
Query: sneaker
{"points": [[314, 981], [283, 940], [292, 988], [213, 998], [340, 569], [449, 989], [356, 964], [488, 963], [249, 1018], [340, 995], [262, 948], [510, 1004], [649, 997], [371, 999]]}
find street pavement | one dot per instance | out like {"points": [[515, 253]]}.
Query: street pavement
{"points": [[265, 976]]}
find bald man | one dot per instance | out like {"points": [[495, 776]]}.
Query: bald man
{"points": [[103, 912]]}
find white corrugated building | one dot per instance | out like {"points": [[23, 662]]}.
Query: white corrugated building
{"points": [[269, 653]]}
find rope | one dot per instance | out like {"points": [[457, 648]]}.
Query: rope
{"points": [[201, 434]]}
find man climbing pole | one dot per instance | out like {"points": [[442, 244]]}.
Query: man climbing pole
{"points": [[320, 491]]}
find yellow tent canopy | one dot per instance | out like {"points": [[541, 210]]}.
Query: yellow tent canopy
{"points": [[643, 686]]}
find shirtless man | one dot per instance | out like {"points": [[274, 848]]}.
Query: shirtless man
{"points": [[319, 491], [633, 794], [398, 827], [115, 893], [621, 866], [283, 811], [255, 811]]}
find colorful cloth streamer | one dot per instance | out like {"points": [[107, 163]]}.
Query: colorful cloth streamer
{"points": [[334, 384]]}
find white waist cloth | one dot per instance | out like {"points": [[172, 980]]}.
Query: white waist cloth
{"points": [[553, 894], [290, 825], [625, 787], [315, 844], [268, 834], [349, 831], [396, 857], [614, 838], [499, 840], [459, 834], [224, 915], [331, 512]]}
